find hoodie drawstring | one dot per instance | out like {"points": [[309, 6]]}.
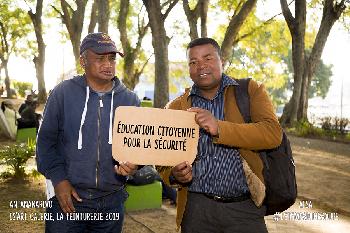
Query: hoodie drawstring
{"points": [[110, 136], [80, 139]]}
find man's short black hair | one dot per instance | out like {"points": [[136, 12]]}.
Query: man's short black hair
{"points": [[205, 40]]}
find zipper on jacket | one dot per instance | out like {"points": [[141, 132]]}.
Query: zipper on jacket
{"points": [[98, 138]]}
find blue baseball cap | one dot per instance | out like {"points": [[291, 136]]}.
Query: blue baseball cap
{"points": [[99, 43]]}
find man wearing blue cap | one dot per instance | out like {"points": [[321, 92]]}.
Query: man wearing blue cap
{"points": [[74, 142]]}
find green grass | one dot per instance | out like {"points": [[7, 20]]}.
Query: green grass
{"points": [[306, 129]]}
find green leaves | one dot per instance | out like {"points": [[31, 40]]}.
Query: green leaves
{"points": [[260, 54], [16, 156], [22, 87], [15, 27]]}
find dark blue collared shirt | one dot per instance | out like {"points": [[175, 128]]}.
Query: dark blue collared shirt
{"points": [[217, 169]]}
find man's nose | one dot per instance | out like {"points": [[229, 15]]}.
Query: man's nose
{"points": [[202, 65]]}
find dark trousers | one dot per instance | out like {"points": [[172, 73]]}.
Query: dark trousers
{"points": [[207, 215], [110, 208]]}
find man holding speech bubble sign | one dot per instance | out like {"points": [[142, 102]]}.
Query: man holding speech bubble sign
{"points": [[223, 189], [74, 145]]}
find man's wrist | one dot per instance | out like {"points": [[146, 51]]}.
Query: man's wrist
{"points": [[174, 183], [172, 180], [216, 136]]}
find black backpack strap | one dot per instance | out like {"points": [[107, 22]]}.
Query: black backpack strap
{"points": [[243, 103], [242, 98]]}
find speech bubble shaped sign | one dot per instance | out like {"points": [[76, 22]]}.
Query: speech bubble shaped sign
{"points": [[152, 136]]}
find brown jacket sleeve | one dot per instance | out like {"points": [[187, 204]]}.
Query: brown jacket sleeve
{"points": [[263, 133]]}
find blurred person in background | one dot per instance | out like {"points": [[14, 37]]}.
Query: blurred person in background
{"points": [[27, 102], [11, 115]]}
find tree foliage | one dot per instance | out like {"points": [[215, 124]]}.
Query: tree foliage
{"points": [[242, 11], [21, 87], [260, 55], [14, 35]]}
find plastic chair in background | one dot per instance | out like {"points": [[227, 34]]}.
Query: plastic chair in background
{"points": [[147, 103], [26, 133]]}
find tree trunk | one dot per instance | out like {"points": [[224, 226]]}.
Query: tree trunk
{"points": [[331, 14], [39, 66], [129, 69], [129, 57], [304, 92], [76, 49], [297, 29], [103, 15], [289, 115], [130, 73], [160, 43], [7, 78], [191, 19], [200, 11], [234, 26], [160, 46], [203, 15], [93, 17], [39, 61], [4, 56]]}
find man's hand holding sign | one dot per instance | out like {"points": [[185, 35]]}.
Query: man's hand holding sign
{"points": [[125, 168], [206, 120], [154, 136]]}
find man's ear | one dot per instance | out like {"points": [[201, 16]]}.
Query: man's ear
{"points": [[222, 62], [82, 62]]}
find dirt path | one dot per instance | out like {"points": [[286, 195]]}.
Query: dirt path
{"points": [[323, 173], [323, 176]]}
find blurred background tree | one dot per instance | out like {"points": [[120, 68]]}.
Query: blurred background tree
{"points": [[14, 31]]}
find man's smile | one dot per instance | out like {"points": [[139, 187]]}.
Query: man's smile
{"points": [[204, 75]]}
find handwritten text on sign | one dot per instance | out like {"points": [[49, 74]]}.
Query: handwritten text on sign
{"points": [[154, 136]]}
